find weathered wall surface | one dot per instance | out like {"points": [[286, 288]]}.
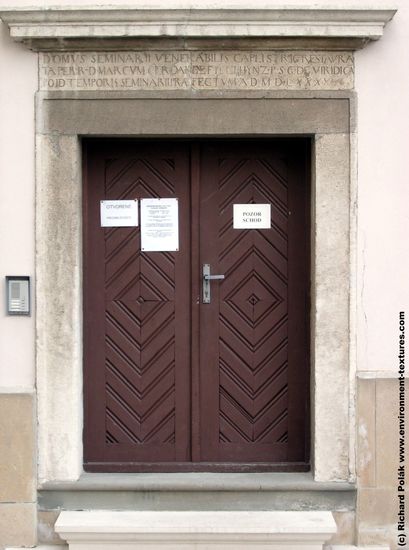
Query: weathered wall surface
{"points": [[18, 74], [382, 83]]}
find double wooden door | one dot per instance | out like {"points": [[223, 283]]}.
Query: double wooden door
{"points": [[170, 382]]}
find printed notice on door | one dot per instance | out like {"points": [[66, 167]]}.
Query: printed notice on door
{"points": [[159, 225], [251, 216], [119, 213]]}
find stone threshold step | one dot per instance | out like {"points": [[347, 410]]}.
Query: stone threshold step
{"points": [[195, 530]]}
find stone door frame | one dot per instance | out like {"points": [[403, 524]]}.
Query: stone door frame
{"points": [[62, 120]]}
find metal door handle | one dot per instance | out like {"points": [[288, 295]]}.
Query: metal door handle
{"points": [[213, 277], [206, 282]]}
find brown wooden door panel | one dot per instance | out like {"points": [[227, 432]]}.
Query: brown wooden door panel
{"points": [[171, 383], [136, 312], [248, 372]]}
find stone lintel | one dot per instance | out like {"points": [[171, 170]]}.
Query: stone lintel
{"points": [[55, 28]]}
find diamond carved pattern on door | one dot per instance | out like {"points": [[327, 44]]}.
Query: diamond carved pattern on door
{"points": [[138, 383], [253, 314], [250, 352]]}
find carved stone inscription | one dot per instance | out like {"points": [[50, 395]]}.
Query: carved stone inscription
{"points": [[196, 70]]}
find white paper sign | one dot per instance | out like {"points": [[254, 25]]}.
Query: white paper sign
{"points": [[251, 216], [159, 225], [119, 213]]}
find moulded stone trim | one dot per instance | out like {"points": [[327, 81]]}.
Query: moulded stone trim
{"points": [[96, 25]]}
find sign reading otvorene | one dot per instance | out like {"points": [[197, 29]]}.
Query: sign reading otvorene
{"points": [[159, 225], [251, 216], [196, 70], [119, 213]]}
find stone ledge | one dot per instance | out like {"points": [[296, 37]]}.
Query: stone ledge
{"points": [[96, 25], [191, 481], [379, 375], [167, 530]]}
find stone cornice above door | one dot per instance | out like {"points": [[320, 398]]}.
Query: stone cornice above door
{"points": [[97, 28]]}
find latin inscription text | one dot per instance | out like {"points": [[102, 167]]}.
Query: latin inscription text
{"points": [[196, 70]]}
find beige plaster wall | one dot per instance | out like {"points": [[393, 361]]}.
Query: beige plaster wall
{"points": [[16, 204], [382, 82]]}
